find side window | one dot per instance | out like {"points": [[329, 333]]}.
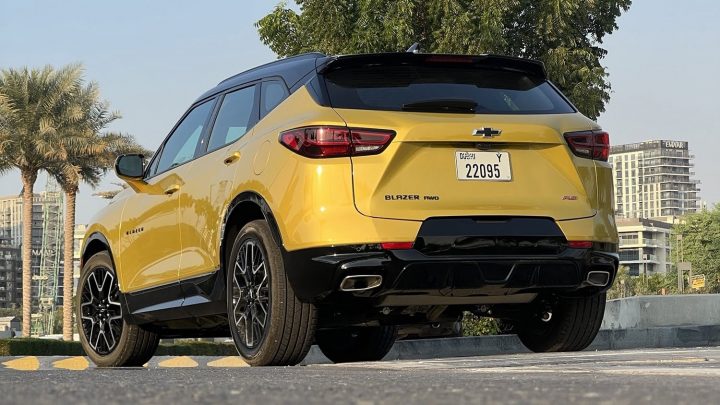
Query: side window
{"points": [[273, 93], [183, 142], [153, 165], [234, 118]]}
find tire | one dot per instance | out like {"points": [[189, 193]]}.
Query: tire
{"points": [[98, 308], [269, 324], [574, 324], [370, 343]]}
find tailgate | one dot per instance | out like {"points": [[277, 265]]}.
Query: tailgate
{"points": [[421, 173]]}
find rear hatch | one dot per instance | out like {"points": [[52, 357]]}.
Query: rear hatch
{"points": [[478, 135]]}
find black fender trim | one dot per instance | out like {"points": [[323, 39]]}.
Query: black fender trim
{"points": [[100, 238], [95, 236], [257, 199]]}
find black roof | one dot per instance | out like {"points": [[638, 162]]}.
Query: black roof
{"points": [[291, 70], [294, 68]]}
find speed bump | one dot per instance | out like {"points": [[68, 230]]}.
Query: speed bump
{"points": [[72, 363], [29, 363], [178, 362], [230, 361]]}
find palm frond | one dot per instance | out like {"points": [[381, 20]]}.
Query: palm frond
{"points": [[53, 120]]}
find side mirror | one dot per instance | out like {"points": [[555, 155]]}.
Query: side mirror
{"points": [[130, 167]]}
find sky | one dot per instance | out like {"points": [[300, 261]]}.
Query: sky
{"points": [[153, 59]]}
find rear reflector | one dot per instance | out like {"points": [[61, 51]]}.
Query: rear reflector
{"points": [[397, 245], [589, 144], [327, 141], [580, 244]]}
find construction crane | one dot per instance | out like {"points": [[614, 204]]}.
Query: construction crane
{"points": [[48, 277]]}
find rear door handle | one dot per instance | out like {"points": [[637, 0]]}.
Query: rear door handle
{"points": [[172, 189], [232, 158]]}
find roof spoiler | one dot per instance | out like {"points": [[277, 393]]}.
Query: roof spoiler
{"points": [[530, 67]]}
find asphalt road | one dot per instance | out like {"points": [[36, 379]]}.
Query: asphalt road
{"points": [[615, 377]]}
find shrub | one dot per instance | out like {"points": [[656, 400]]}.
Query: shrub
{"points": [[478, 326]]}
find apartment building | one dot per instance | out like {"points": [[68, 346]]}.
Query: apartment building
{"points": [[654, 179], [47, 210], [10, 275], [645, 244]]}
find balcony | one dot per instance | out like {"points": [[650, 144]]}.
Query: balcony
{"points": [[654, 243]]}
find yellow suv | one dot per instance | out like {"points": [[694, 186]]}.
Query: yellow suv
{"points": [[333, 199]]}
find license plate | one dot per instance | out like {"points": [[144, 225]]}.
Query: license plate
{"points": [[489, 166]]}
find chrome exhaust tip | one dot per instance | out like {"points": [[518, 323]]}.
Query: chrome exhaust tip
{"points": [[598, 278], [361, 282]]}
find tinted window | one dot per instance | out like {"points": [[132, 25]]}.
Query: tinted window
{"points": [[448, 88], [273, 93], [234, 118], [183, 142]]}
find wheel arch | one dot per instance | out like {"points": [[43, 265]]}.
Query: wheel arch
{"points": [[96, 242], [245, 207]]}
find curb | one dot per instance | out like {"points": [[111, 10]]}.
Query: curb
{"points": [[621, 339]]}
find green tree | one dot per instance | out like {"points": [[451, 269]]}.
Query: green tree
{"points": [[86, 155], [626, 285], [700, 245], [565, 34], [36, 105]]}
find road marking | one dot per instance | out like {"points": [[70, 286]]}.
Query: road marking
{"points": [[656, 371], [29, 363], [678, 372], [667, 361], [72, 363], [178, 362], [231, 361], [572, 355]]}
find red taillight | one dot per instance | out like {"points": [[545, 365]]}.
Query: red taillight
{"points": [[580, 244], [325, 142], [589, 144], [397, 245]]}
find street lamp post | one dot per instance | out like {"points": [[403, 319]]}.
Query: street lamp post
{"points": [[681, 284]]}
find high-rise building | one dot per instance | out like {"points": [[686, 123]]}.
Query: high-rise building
{"points": [[10, 275], [654, 179], [11, 227]]}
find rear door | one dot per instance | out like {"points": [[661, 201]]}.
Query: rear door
{"points": [[208, 185], [472, 138]]}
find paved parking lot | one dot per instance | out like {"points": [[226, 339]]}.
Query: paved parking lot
{"points": [[617, 377]]}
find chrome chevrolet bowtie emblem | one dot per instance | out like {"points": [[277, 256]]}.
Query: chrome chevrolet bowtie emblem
{"points": [[486, 132]]}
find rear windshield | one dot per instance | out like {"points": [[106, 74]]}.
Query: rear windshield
{"points": [[444, 88]]}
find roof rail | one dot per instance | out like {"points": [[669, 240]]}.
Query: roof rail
{"points": [[308, 55]]}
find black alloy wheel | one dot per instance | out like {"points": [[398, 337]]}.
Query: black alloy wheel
{"points": [[251, 293], [101, 311], [105, 335], [268, 323]]}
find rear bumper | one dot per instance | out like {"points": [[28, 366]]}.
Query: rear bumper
{"points": [[410, 277], [458, 261]]}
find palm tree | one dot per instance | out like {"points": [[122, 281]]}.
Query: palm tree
{"points": [[86, 155], [36, 102]]}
